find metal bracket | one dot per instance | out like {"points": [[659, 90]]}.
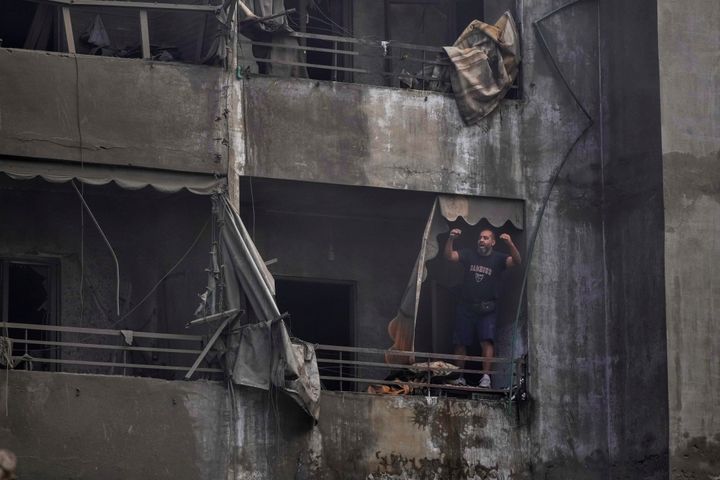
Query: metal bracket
{"points": [[207, 348], [214, 317]]}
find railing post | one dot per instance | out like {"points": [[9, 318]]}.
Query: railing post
{"points": [[429, 374], [145, 34], [67, 24], [335, 62], [341, 371]]}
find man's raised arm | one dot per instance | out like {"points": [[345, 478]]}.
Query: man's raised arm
{"points": [[450, 253], [514, 258]]}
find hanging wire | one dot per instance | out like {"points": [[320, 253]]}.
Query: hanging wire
{"points": [[150, 292], [167, 274], [537, 28], [342, 29], [107, 242], [82, 189]]}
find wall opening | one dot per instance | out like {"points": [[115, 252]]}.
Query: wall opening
{"points": [[320, 312], [28, 290]]}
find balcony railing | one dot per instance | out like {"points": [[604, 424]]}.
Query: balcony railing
{"points": [[176, 356], [106, 351], [355, 60], [355, 369]]}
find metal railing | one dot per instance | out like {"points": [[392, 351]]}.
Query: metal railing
{"points": [[356, 60], [354, 369], [175, 356], [107, 351]]}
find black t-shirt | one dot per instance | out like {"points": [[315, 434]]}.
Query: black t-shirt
{"points": [[482, 275]]}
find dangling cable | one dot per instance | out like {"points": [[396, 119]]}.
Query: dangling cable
{"points": [[107, 242], [82, 189], [553, 180], [82, 261]]}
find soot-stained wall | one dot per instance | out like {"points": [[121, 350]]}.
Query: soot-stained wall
{"points": [[381, 137], [632, 171], [63, 425], [367, 437], [96, 427], [340, 234], [689, 84], [112, 111]]}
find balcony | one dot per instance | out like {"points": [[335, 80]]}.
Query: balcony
{"points": [[351, 60]]}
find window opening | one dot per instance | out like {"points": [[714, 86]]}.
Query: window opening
{"points": [[26, 24], [28, 296], [320, 312]]}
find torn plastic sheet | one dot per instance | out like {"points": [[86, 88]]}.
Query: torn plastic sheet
{"points": [[267, 357], [259, 354]]}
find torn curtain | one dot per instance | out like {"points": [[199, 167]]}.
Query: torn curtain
{"points": [[485, 62], [445, 209]]}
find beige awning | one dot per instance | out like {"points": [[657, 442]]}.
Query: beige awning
{"points": [[132, 178]]}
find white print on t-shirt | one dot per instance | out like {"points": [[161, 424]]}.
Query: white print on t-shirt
{"points": [[480, 272]]}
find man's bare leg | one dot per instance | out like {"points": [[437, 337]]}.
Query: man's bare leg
{"points": [[488, 351], [460, 350], [460, 380]]}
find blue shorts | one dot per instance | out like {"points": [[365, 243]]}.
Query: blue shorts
{"points": [[470, 325]]}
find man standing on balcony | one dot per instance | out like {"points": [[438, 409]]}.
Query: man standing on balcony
{"points": [[476, 313]]}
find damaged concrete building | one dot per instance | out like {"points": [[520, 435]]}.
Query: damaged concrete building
{"points": [[153, 159]]}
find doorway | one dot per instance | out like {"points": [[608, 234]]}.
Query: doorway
{"points": [[28, 295], [321, 312]]}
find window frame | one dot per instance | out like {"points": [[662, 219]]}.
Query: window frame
{"points": [[53, 286]]}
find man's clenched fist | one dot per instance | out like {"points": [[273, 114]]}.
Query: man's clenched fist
{"points": [[455, 232]]}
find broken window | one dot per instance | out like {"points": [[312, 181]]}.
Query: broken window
{"points": [[29, 296], [178, 32]]}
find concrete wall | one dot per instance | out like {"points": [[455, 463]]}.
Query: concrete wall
{"points": [[131, 112], [689, 46], [366, 250], [364, 437], [374, 136], [102, 427], [632, 175]]}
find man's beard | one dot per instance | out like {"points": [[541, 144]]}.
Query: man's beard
{"points": [[484, 251]]}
